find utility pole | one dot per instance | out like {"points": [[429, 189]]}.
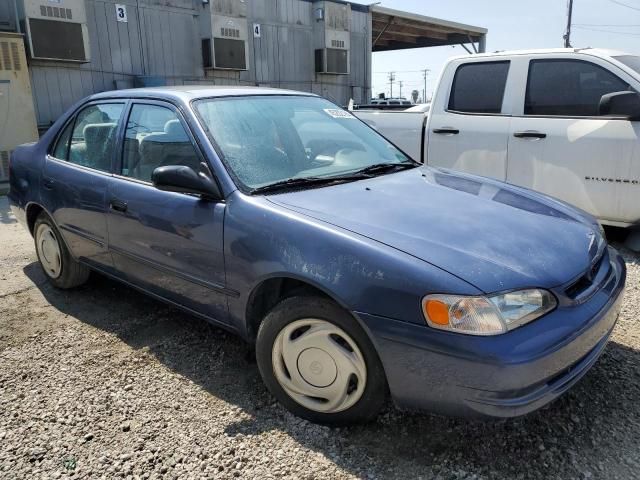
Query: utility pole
{"points": [[400, 82], [567, 35], [424, 92], [392, 78]]}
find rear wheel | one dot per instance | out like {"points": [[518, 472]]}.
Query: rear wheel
{"points": [[56, 261], [317, 361]]}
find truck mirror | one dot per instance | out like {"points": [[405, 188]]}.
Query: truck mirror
{"points": [[620, 104]]}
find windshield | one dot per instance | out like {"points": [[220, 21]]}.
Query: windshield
{"points": [[630, 61], [271, 139]]}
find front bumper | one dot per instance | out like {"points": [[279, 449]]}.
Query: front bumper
{"points": [[500, 376]]}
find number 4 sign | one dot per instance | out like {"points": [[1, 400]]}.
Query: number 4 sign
{"points": [[121, 13], [256, 30]]}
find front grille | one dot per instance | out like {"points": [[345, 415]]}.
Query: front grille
{"points": [[586, 280]]}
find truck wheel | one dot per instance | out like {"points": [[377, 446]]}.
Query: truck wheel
{"points": [[56, 261], [317, 361]]}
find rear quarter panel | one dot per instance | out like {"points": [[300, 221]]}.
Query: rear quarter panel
{"points": [[24, 180]]}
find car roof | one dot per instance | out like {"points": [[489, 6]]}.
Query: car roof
{"points": [[599, 52], [187, 93]]}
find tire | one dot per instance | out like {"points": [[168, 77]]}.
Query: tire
{"points": [[58, 265], [333, 353]]}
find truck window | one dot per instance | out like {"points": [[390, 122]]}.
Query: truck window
{"points": [[631, 61], [569, 88], [479, 87]]}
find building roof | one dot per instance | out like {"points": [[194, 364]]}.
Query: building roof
{"points": [[395, 30]]}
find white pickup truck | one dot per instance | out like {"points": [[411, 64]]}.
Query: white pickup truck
{"points": [[565, 122]]}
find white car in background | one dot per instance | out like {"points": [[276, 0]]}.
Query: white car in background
{"points": [[565, 122]]}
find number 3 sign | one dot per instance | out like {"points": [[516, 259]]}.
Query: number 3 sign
{"points": [[121, 13]]}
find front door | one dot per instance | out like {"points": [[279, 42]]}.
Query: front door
{"points": [[75, 179], [467, 129], [559, 145], [168, 243]]}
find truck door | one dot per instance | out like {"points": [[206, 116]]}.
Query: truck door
{"points": [[561, 146], [467, 128]]}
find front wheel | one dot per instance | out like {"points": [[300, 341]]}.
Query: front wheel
{"points": [[317, 361]]}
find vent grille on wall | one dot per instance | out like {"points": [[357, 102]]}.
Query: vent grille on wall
{"points": [[55, 12], [4, 166], [229, 32], [9, 56], [15, 55]]}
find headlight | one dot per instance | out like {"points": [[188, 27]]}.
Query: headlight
{"points": [[486, 315]]}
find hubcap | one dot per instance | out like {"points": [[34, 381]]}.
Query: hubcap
{"points": [[319, 365], [49, 251]]}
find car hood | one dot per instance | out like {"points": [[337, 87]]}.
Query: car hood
{"points": [[491, 234]]}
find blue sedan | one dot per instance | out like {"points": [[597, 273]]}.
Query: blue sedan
{"points": [[356, 272]]}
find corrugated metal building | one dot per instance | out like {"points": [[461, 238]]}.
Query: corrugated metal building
{"points": [[317, 46]]}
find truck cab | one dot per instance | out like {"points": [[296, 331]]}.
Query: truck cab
{"points": [[536, 119]]}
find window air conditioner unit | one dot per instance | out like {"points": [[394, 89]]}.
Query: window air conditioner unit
{"points": [[57, 30], [332, 60], [332, 38], [227, 49]]}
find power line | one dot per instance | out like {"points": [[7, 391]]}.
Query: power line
{"points": [[608, 31], [398, 71], [605, 25], [625, 5]]}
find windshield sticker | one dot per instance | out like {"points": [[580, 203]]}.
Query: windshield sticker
{"points": [[337, 113]]}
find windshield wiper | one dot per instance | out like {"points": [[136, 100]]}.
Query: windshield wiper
{"points": [[309, 181], [385, 167]]}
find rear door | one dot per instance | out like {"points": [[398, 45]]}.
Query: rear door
{"points": [[468, 127], [75, 179], [168, 243], [559, 145]]}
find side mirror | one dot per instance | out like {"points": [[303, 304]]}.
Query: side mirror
{"points": [[620, 104], [183, 179]]}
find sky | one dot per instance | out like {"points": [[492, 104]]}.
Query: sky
{"points": [[512, 25]]}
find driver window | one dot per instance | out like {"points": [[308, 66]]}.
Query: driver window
{"points": [[154, 138], [571, 88]]}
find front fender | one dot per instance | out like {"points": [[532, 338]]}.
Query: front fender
{"points": [[263, 241]]}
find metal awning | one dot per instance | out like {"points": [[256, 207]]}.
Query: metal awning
{"points": [[396, 30]]}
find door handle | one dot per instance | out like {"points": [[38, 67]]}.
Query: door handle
{"points": [[48, 183], [446, 130], [530, 134], [118, 205]]}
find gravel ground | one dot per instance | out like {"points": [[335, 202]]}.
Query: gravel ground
{"points": [[103, 382]]}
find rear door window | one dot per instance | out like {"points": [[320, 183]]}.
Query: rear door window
{"points": [[90, 139], [61, 150], [479, 87], [570, 88]]}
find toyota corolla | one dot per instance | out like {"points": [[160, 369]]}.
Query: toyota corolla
{"points": [[356, 272]]}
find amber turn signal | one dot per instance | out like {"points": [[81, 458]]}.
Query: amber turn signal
{"points": [[437, 311]]}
